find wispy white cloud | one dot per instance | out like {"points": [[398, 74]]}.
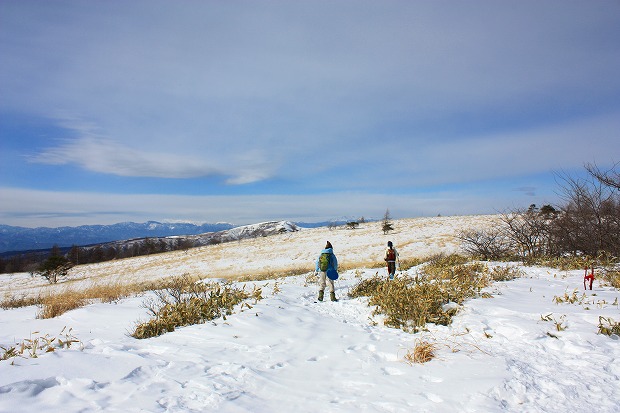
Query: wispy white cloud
{"points": [[109, 157], [324, 95], [99, 154]]}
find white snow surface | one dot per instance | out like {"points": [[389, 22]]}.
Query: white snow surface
{"points": [[290, 353]]}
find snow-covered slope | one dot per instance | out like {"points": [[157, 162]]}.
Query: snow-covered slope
{"points": [[290, 353], [172, 242], [258, 255]]}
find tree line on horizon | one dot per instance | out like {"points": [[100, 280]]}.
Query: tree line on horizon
{"points": [[76, 255]]}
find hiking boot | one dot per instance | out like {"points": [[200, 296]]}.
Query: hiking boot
{"points": [[332, 295], [321, 295]]}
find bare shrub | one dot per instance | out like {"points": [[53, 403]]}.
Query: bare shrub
{"points": [[528, 231], [486, 244], [589, 223], [610, 178]]}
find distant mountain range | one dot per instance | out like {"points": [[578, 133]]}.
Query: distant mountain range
{"points": [[24, 239], [18, 239]]}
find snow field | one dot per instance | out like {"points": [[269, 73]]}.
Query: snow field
{"points": [[291, 353]]}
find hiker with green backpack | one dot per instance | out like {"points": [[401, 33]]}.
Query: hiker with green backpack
{"points": [[327, 268]]}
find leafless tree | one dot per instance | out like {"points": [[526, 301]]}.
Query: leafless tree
{"points": [[488, 244], [589, 222], [529, 230], [610, 178]]}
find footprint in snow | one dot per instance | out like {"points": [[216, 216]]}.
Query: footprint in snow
{"points": [[391, 371], [433, 397], [432, 379]]}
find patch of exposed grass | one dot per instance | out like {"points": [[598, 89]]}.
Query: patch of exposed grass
{"points": [[184, 302], [17, 302], [562, 263], [507, 273], [273, 275], [608, 326], [37, 344], [611, 277], [53, 305], [572, 298], [423, 352], [409, 303], [409, 263]]}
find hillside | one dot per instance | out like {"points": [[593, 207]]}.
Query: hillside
{"points": [[276, 254]]}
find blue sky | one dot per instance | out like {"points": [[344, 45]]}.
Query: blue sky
{"points": [[246, 111]]}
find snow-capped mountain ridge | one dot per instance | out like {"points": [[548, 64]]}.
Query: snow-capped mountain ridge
{"points": [[190, 241]]}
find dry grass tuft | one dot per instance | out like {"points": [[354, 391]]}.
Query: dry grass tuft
{"points": [[608, 326], [183, 302], [409, 303], [423, 352], [53, 305], [506, 273], [31, 347], [612, 277], [17, 302]]}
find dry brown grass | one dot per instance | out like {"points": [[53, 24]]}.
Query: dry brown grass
{"points": [[37, 344], [612, 277], [608, 326], [54, 304], [423, 352], [409, 303], [184, 302], [270, 274], [23, 300]]}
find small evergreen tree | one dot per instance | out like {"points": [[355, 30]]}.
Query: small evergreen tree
{"points": [[352, 224], [55, 266], [386, 225]]}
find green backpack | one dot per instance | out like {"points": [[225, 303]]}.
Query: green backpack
{"points": [[324, 261]]}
